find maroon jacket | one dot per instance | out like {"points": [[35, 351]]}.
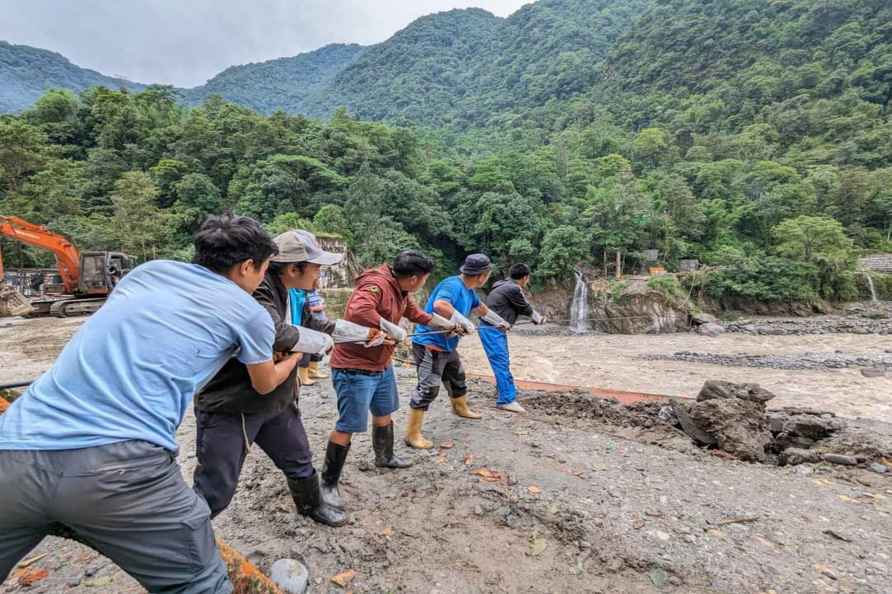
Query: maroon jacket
{"points": [[377, 294]]}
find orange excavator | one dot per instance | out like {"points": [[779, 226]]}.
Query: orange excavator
{"points": [[87, 278]]}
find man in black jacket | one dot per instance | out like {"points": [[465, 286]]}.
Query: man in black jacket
{"points": [[508, 301], [231, 415]]}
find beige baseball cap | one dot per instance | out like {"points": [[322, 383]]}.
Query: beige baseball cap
{"points": [[298, 245]]}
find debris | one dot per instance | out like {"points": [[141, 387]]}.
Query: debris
{"points": [[487, 474], [879, 468], [469, 459], [841, 459], [534, 489], [837, 535], [664, 536], [826, 571], [244, 575], [31, 561], [740, 520], [344, 578], [537, 545], [290, 575], [793, 456], [387, 532], [29, 577], [658, 577], [873, 372], [102, 581], [447, 445]]}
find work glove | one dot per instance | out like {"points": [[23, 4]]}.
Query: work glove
{"points": [[312, 342], [440, 323], [349, 332], [496, 320], [465, 325], [394, 331], [538, 318]]}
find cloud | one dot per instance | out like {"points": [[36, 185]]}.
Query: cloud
{"points": [[185, 42]]}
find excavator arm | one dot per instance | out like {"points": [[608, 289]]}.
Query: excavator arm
{"points": [[67, 256]]}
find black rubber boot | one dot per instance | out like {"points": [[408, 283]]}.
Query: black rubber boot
{"points": [[335, 456], [382, 441], [308, 500]]}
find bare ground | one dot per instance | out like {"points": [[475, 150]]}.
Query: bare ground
{"points": [[566, 504]]}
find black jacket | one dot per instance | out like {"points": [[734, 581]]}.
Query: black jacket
{"points": [[507, 300], [230, 391]]}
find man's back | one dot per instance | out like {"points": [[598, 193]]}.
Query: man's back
{"points": [[132, 369]]}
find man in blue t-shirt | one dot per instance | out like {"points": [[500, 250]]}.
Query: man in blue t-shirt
{"points": [[455, 298], [90, 448]]}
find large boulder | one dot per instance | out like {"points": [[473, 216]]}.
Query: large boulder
{"points": [[738, 427], [719, 390]]}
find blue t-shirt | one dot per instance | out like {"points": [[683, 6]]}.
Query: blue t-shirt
{"points": [[298, 300], [132, 369], [463, 299]]}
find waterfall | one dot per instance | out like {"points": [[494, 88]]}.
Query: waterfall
{"points": [[873, 291], [579, 322]]}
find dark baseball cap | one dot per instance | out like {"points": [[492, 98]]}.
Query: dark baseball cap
{"points": [[298, 245], [476, 264]]}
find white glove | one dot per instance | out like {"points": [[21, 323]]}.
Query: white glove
{"points": [[496, 320], [394, 331], [349, 332], [440, 323], [312, 342], [466, 326], [538, 318]]}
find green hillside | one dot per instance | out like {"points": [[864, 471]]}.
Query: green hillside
{"points": [[26, 73]]}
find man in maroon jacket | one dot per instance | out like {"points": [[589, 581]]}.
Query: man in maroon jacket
{"points": [[363, 377]]}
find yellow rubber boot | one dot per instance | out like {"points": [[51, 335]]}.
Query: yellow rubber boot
{"points": [[315, 372], [414, 438], [304, 374], [460, 407]]}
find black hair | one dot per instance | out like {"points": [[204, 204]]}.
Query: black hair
{"points": [[519, 271], [226, 240], [411, 263], [279, 268]]}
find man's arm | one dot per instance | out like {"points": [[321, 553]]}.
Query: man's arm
{"points": [[415, 313], [519, 301], [266, 377]]}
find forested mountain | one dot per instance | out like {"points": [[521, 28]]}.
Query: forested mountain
{"points": [[295, 85], [753, 135], [26, 73]]}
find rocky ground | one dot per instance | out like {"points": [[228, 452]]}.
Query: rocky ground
{"points": [[580, 495]]}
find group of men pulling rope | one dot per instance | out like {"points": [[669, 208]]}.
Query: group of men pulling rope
{"points": [[90, 446]]}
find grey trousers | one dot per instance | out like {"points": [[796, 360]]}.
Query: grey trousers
{"points": [[435, 368], [127, 500]]}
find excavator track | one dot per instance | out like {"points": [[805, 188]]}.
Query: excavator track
{"points": [[76, 307]]}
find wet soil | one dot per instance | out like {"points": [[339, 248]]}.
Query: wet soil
{"points": [[579, 495]]}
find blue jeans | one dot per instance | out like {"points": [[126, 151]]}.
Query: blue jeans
{"points": [[360, 392], [495, 343]]}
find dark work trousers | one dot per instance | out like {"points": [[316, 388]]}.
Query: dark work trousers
{"points": [[223, 441], [127, 500], [434, 368]]}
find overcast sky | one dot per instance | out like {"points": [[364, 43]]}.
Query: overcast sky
{"points": [[185, 42]]}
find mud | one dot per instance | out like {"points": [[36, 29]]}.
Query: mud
{"points": [[579, 495]]}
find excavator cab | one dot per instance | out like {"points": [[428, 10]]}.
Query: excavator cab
{"points": [[101, 271]]}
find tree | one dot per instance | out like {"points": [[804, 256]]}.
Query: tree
{"points": [[140, 227], [562, 249], [22, 148]]}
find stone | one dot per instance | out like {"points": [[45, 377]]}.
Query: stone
{"points": [[873, 372], [719, 390], [841, 459], [711, 330], [290, 575], [690, 427], [699, 319], [739, 427], [879, 468], [793, 456]]}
